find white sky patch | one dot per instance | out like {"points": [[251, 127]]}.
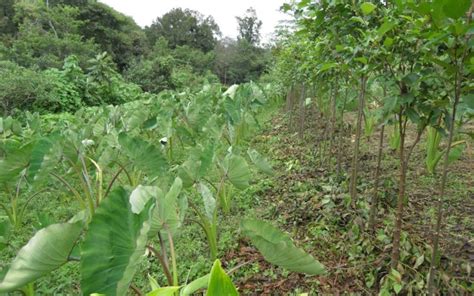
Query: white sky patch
{"points": [[144, 12]]}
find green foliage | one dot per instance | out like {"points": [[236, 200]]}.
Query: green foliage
{"points": [[145, 156], [219, 282], [278, 248], [63, 90], [47, 35], [114, 32], [237, 171], [7, 25], [78, 153], [114, 242], [20, 87], [46, 251], [249, 27], [419, 54], [240, 61], [184, 28]]}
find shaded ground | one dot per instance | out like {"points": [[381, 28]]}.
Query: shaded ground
{"points": [[309, 200]]}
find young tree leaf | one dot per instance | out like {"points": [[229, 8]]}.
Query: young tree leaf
{"points": [[385, 27], [46, 251], [278, 249], [220, 283], [367, 8]]}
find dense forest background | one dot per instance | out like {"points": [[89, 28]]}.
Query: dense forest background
{"points": [[59, 55]]}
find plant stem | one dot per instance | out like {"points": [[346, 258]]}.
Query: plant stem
{"points": [[404, 160], [173, 259], [302, 112], [163, 264], [375, 198], [112, 182], [355, 158], [401, 193]]}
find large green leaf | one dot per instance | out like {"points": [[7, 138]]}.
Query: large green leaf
{"points": [[4, 232], [41, 163], [14, 163], [189, 172], [260, 162], [145, 156], [220, 283], [113, 246], [47, 250], [141, 195], [166, 214], [278, 248], [237, 171], [208, 199]]}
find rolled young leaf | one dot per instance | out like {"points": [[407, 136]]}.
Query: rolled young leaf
{"points": [[220, 283]]}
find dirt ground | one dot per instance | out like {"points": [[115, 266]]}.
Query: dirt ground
{"points": [[297, 200]]}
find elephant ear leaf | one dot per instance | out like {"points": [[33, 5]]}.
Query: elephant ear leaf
{"points": [[237, 171], [278, 248], [114, 243], [46, 251], [220, 283], [15, 163], [145, 156], [260, 162]]}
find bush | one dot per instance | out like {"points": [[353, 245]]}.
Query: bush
{"points": [[153, 75], [20, 88]]}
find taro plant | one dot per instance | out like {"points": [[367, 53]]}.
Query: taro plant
{"points": [[147, 195]]}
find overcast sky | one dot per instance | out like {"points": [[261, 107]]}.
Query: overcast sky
{"points": [[224, 11]]}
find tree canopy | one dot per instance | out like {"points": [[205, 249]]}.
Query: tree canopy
{"points": [[185, 27]]}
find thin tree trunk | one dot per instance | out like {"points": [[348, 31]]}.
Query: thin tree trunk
{"points": [[404, 160], [288, 99], [302, 112], [341, 136], [333, 124], [375, 198], [402, 123], [355, 158], [444, 178]]}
